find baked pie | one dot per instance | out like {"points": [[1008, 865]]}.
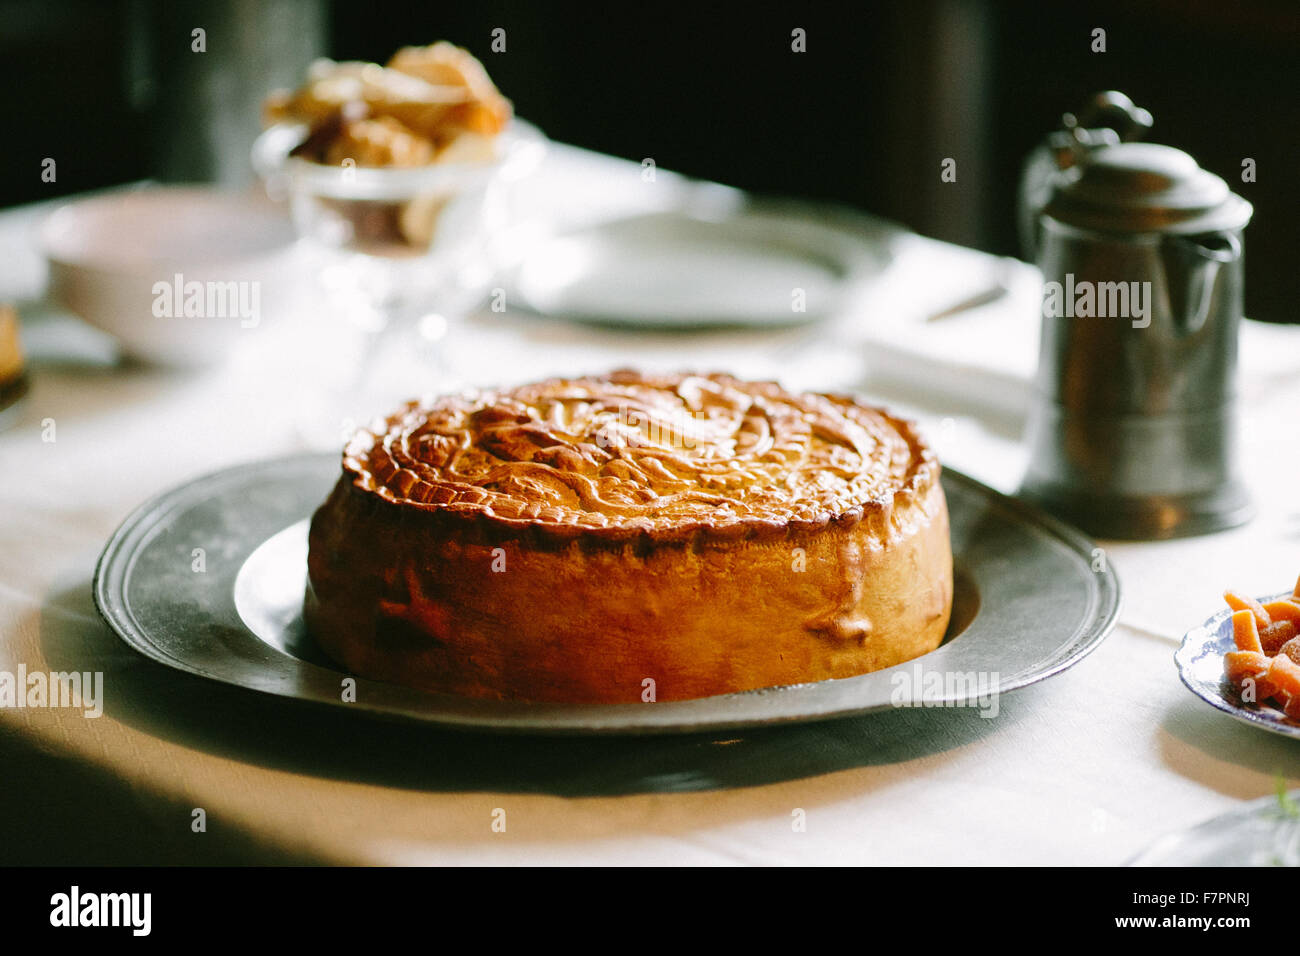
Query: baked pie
{"points": [[13, 374], [630, 538]]}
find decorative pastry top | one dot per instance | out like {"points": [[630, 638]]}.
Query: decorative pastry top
{"points": [[629, 454], [432, 104]]}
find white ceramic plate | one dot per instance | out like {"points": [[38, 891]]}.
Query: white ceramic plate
{"points": [[760, 263]]}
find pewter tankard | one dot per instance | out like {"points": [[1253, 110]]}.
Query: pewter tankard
{"points": [[1133, 423]]}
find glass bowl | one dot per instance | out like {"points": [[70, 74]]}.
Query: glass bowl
{"points": [[396, 255]]}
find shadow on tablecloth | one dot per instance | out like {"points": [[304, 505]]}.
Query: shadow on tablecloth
{"points": [[1191, 730]]}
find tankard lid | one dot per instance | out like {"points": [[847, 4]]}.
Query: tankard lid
{"points": [[1145, 187]]}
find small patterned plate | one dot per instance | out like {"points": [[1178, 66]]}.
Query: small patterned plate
{"points": [[1200, 665]]}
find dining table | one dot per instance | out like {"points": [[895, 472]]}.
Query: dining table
{"points": [[1090, 766]]}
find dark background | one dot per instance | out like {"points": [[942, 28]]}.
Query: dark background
{"points": [[883, 94]]}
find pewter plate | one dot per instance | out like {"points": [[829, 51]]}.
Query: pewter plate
{"points": [[1200, 665], [1027, 604]]}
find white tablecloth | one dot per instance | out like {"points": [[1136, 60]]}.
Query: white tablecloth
{"points": [[1086, 768]]}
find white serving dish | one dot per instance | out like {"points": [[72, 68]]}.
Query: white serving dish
{"points": [[179, 275]]}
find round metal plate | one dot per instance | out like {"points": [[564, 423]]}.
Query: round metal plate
{"points": [[208, 578], [1200, 665]]}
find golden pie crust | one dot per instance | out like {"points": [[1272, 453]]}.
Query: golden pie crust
{"points": [[630, 537]]}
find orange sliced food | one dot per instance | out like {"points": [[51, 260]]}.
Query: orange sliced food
{"points": [[1284, 674], [1239, 602], [1266, 664], [1287, 609], [1273, 637], [1242, 667], [1292, 649], [1245, 632]]}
